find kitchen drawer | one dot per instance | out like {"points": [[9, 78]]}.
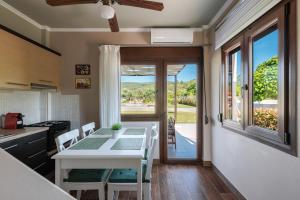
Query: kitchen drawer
{"points": [[35, 144], [36, 159], [13, 147], [42, 168]]}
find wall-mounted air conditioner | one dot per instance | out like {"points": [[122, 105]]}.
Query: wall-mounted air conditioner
{"points": [[172, 36]]}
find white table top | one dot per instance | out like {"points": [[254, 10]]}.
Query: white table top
{"points": [[105, 150]]}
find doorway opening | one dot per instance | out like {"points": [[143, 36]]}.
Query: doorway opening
{"points": [[182, 111]]}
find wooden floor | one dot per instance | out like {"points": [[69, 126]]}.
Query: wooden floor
{"points": [[180, 182]]}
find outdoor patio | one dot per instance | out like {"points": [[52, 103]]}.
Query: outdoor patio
{"points": [[185, 142]]}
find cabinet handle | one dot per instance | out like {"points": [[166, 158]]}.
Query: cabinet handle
{"points": [[19, 84], [10, 147], [39, 166], [36, 154], [46, 81], [37, 140]]}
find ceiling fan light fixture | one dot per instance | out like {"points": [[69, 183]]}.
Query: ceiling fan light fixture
{"points": [[107, 12]]}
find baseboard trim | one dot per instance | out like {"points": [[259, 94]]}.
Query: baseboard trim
{"points": [[228, 183], [206, 163], [156, 161]]}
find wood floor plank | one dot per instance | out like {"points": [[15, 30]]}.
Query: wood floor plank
{"points": [[179, 182]]}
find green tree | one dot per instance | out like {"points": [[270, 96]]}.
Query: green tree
{"points": [[265, 80]]}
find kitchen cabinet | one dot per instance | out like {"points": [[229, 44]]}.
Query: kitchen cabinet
{"points": [[44, 67], [23, 62], [31, 150], [14, 62]]}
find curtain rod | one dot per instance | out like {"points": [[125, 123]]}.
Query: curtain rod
{"points": [[150, 45]]}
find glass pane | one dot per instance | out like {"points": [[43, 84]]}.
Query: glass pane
{"points": [[265, 80], [234, 95], [138, 89], [182, 111]]}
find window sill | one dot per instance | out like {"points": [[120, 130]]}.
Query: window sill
{"points": [[250, 133]]}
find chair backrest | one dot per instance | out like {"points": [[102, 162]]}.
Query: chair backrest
{"points": [[147, 125], [88, 129], [150, 158], [71, 137], [154, 132]]}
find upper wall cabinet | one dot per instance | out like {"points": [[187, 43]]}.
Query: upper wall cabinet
{"points": [[23, 62], [14, 62], [44, 67]]}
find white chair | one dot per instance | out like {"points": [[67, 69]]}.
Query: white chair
{"points": [[126, 179], [88, 129], [81, 179]]}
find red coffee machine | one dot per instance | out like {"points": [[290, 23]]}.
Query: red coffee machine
{"points": [[13, 121]]}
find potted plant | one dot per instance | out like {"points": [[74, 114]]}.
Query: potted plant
{"points": [[116, 127]]}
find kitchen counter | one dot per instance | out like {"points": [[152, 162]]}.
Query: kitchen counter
{"points": [[7, 135], [20, 182]]}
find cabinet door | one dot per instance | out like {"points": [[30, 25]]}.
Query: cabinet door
{"points": [[44, 67], [14, 62]]}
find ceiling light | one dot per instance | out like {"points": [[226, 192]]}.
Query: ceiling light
{"points": [[107, 12]]}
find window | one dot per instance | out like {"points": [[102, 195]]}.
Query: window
{"points": [[265, 79], [259, 80], [138, 89], [234, 80]]}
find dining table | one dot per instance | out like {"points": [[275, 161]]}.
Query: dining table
{"points": [[105, 149]]}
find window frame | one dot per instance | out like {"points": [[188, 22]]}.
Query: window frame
{"points": [[227, 50], [157, 85], [283, 16]]}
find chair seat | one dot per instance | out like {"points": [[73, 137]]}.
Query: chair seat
{"points": [[88, 175], [127, 176]]}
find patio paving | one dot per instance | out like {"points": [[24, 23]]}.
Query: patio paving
{"points": [[186, 142]]}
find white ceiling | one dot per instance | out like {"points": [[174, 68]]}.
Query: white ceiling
{"points": [[177, 13]]}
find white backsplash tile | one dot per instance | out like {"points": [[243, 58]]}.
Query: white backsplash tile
{"points": [[38, 106], [65, 107], [25, 102]]}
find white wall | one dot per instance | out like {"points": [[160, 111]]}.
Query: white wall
{"points": [[258, 171]]}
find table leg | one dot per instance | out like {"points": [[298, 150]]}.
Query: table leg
{"points": [[58, 175], [139, 181]]}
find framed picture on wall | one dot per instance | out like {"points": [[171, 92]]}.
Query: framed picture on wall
{"points": [[83, 83], [83, 69]]}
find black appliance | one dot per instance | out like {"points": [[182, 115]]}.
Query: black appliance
{"points": [[56, 128]]}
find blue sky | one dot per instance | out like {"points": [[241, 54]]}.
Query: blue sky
{"points": [[265, 48]]}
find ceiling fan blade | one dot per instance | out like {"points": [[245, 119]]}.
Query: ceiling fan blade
{"points": [[142, 4], [113, 23], [69, 2]]}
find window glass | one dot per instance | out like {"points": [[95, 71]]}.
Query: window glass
{"points": [[138, 89], [265, 80], [234, 93]]}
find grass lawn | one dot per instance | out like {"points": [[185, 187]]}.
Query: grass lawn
{"points": [[182, 117], [180, 106]]}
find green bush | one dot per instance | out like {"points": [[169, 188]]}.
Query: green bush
{"points": [[266, 118], [265, 80]]}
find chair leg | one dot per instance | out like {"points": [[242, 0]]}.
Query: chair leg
{"points": [[101, 193], [110, 193], [147, 191], [78, 194]]}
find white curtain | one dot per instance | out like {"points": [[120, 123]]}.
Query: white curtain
{"points": [[109, 85]]}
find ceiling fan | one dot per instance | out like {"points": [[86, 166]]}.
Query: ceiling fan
{"points": [[107, 11]]}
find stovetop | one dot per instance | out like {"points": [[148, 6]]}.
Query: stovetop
{"points": [[48, 124]]}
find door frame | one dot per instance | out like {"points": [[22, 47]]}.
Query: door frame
{"points": [[162, 55], [199, 128]]}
